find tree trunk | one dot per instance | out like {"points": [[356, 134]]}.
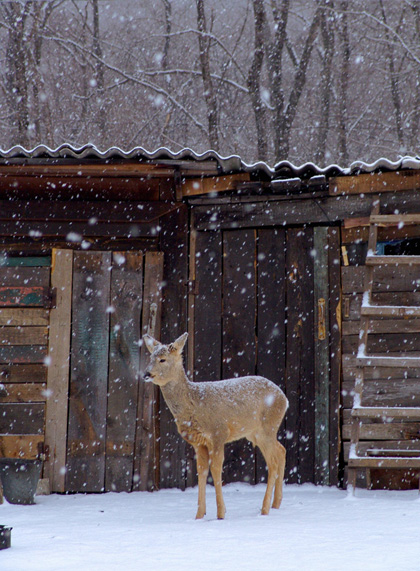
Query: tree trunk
{"points": [[209, 92], [254, 81], [327, 33]]}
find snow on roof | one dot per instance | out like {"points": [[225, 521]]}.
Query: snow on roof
{"points": [[232, 163]]}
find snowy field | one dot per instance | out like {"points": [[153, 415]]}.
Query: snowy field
{"points": [[315, 529]]}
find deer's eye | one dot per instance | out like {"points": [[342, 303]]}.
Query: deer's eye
{"points": [[162, 360]]}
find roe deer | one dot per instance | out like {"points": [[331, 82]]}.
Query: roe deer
{"points": [[210, 414]]}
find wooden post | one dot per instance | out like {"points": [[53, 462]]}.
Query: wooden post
{"points": [[58, 370], [322, 378]]}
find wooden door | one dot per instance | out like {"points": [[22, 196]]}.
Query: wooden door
{"points": [[266, 301]]}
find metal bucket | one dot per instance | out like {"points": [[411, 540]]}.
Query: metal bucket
{"points": [[20, 478]]}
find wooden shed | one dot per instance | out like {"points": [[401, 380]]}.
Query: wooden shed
{"points": [[263, 267]]}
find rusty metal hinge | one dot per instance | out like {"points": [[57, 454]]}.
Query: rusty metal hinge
{"points": [[322, 330]]}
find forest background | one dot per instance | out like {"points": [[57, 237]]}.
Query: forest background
{"points": [[328, 81]]}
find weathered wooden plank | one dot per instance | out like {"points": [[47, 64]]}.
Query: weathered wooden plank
{"points": [[389, 279], [23, 373], [395, 181], [177, 458], [382, 326], [24, 296], [89, 369], [20, 446], [58, 370], [386, 413], [389, 311], [352, 303], [91, 188], [76, 231], [22, 354], [208, 307], [14, 317], [124, 367], [23, 335], [322, 355], [146, 459], [23, 275], [91, 211], [239, 326], [387, 431], [395, 219], [335, 322], [206, 185], [300, 356], [374, 260], [357, 233], [384, 462], [25, 261], [408, 446], [271, 311], [384, 343], [22, 418], [389, 361], [24, 392], [385, 392]]}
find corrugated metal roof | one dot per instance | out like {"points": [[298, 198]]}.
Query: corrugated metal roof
{"points": [[233, 163]]}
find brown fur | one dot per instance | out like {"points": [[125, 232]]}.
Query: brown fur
{"points": [[208, 415]]}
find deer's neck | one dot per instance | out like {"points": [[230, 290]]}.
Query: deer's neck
{"points": [[177, 396]]}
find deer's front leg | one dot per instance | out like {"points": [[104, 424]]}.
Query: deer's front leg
{"points": [[216, 465], [202, 455]]}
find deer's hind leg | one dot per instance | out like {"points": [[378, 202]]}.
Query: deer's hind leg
{"points": [[274, 455], [278, 491], [202, 455]]}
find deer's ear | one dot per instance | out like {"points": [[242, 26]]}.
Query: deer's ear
{"points": [[179, 343], [151, 343]]}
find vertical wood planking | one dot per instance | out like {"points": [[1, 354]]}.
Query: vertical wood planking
{"points": [[177, 457], [89, 372], [322, 357], [300, 356], [208, 307], [239, 327], [335, 352], [271, 326], [124, 366], [146, 461], [58, 370]]}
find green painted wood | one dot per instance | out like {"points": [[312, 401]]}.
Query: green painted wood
{"points": [[33, 261], [335, 313], [322, 357], [24, 296], [124, 366], [89, 372]]}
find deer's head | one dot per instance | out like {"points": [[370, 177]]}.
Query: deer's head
{"points": [[165, 360]]}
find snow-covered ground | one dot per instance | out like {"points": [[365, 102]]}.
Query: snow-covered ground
{"points": [[315, 529]]}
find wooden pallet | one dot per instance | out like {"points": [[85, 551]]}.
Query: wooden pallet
{"points": [[379, 457]]}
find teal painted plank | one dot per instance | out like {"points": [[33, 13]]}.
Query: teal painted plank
{"points": [[13, 262], [34, 296], [322, 375]]}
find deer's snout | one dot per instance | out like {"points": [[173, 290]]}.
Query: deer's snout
{"points": [[148, 377]]}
